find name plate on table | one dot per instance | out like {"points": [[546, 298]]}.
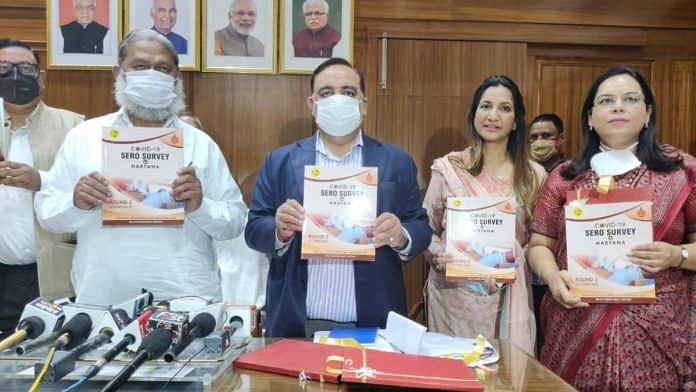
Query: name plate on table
{"points": [[601, 229], [481, 233], [340, 209]]}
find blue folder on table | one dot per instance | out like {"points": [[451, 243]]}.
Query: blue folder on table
{"points": [[362, 335]]}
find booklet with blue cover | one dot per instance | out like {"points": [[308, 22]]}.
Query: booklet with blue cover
{"points": [[362, 335]]}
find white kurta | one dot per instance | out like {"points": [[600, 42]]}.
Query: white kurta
{"points": [[112, 264], [17, 238]]}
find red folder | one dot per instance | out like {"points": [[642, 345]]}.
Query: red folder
{"points": [[323, 362], [293, 358], [405, 370]]}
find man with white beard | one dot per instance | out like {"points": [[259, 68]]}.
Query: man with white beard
{"points": [[112, 264]]}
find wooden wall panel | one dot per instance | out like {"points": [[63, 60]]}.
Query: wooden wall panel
{"points": [[560, 87], [250, 116], [672, 14], [26, 23], [674, 86], [67, 89]]}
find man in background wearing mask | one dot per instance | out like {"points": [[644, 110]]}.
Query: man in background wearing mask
{"points": [[546, 134], [112, 264], [31, 135], [303, 297]]}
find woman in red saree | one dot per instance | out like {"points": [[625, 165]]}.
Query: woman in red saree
{"points": [[607, 347]]}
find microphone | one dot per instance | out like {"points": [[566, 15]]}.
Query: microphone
{"points": [[49, 312], [94, 369], [236, 323], [137, 329], [219, 342], [64, 361], [202, 325], [76, 328], [29, 328], [35, 344], [154, 344]]}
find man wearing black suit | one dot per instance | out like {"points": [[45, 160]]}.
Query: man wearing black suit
{"points": [[83, 35]]}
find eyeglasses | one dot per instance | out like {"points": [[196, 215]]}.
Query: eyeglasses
{"points": [[315, 14], [24, 68], [628, 99], [82, 8]]}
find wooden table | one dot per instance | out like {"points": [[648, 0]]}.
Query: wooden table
{"points": [[516, 371]]}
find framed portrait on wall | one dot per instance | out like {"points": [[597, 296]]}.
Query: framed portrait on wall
{"points": [[240, 36], [178, 20], [312, 31], [82, 34]]}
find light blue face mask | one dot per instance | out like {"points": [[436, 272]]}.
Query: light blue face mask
{"points": [[338, 115], [150, 89]]}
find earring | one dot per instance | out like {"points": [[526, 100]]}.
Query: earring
{"points": [[646, 123], [591, 129]]}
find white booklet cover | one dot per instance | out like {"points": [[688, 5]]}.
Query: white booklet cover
{"points": [[481, 233], [140, 165], [340, 209]]}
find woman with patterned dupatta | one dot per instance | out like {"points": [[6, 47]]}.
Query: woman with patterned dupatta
{"points": [[496, 164], [602, 347]]}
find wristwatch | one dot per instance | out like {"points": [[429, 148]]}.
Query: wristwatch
{"points": [[684, 255]]}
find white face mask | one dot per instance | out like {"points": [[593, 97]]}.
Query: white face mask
{"points": [[150, 89], [611, 162], [338, 115]]}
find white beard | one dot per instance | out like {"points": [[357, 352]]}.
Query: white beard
{"points": [[148, 114]]}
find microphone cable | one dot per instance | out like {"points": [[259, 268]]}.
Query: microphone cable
{"points": [[76, 384], [76, 328], [43, 371], [180, 369]]}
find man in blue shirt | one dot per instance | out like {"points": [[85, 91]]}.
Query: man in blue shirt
{"points": [[163, 13]]}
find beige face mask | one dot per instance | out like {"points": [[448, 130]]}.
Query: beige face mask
{"points": [[542, 150]]}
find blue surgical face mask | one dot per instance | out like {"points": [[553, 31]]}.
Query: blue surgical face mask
{"points": [[338, 115], [150, 89]]}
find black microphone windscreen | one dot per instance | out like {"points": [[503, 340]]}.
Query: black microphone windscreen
{"points": [[33, 325], [78, 326], [205, 321], [156, 342]]}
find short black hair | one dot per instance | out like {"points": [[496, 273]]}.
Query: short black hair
{"points": [[336, 61], [557, 122], [9, 42]]}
